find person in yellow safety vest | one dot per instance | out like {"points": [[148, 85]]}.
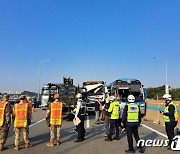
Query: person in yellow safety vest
{"points": [[54, 118], [114, 120], [131, 118], [5, 120], [170, 117], [22, 120]]}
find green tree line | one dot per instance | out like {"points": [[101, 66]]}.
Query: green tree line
{"points": [[153, 92]]}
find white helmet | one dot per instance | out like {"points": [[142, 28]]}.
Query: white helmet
{"points": [[111, 98], [131, 98], [167, 96], [78, 95]]}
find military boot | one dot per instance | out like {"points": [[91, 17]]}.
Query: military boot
{"points": [[58, 142], [16, 147], [28, 145], [1, 147], [50, 144]]}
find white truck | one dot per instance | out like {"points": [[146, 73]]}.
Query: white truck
{"points": [[47, 93], [94, 90]]}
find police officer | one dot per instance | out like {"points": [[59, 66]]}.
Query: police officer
{"points": [[80, 113], [114, 121], [170, 117], [5, 120], [22, 120], [54, 120], [131, 119]]}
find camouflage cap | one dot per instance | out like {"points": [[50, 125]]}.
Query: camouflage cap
{"points": [[56, 96], [5, 95], [28, 98], [22, 97]]}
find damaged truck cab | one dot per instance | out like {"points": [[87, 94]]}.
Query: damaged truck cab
{"points": [[93, 90], [121, 88]]}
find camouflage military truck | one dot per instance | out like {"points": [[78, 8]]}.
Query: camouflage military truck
{"points": [[67, 93]]}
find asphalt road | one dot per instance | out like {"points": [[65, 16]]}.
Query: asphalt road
{"points": [[94, 143]]}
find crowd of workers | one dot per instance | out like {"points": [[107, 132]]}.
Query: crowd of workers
{"points": [[115, 119], [129, 118]]}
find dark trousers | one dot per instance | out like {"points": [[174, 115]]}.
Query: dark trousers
{"points": [[107, 122], [81, 129], [114, 123], [130, 129], [120, 120], [170, 131]]}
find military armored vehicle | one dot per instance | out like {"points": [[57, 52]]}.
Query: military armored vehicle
{"points": [[67, 91]]}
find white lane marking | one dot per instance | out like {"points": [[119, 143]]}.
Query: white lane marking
{"points": [[37, 122], [87, 122], [154, 130]]}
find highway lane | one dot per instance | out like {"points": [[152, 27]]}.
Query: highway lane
{"points": [[94, 143]]}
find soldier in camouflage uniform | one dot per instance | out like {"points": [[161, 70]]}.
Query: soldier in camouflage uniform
{"points": [[5, 118], [54, 120], [28, 100], [22, 122]]}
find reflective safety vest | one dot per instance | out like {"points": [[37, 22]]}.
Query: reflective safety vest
{"points": [[20, 111], [74, 111], [166, 110], [133, 112], [56, 114], [2, 109], [114, 109]]}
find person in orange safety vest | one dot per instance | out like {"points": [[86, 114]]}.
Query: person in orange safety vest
{"points": [[5, 120], [54, 120], [22, 120]]}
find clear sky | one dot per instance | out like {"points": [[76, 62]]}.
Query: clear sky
{"points": [[88, 40]]}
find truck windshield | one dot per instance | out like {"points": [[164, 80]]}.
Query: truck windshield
{"points": [[92, 83], [138, 96], [97, 91], [126, 92], [45, 92], [54, 88]]}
